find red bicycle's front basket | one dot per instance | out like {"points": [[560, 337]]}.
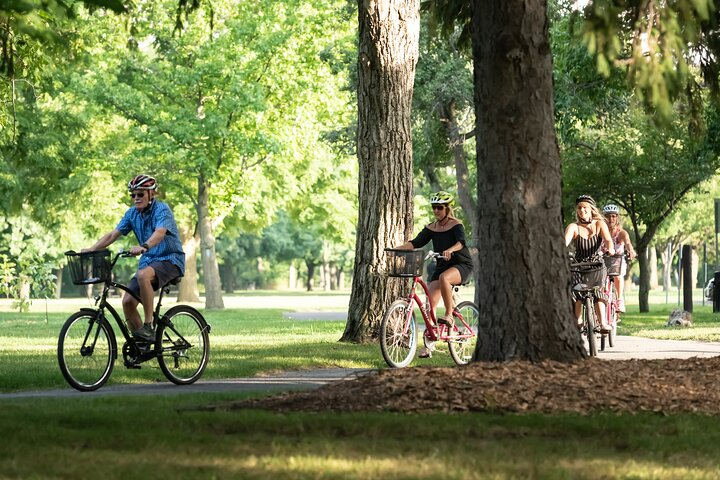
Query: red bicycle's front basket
{"points": [[89, 267], [404, 263]]}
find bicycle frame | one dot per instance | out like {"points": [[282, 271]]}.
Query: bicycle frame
{"points": [[102, 304], [435, 332]]}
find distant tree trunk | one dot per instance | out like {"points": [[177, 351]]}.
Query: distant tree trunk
{"points": [[58, 282], [310, 275], [666, 258], [652, 263], [456, 142], [211, 273], [524, 299], [188, 287], [388, 51], [292, 277], [643, 295]]}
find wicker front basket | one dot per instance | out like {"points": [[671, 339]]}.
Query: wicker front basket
{"points": [[89, 267], [404, 263], [613, 264]]}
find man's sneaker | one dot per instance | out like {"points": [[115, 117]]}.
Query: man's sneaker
{"points": [[145, 333]]}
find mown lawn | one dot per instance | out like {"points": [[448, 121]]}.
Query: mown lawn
{"points": [[194, 436]]}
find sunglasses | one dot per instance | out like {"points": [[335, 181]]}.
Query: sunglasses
{"points": [[138, 195], [438, 207]]}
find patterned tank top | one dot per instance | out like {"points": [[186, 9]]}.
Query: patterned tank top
{"points": [[587, 249]]}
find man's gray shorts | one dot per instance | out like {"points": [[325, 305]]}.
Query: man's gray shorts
{"points": [[164, 273]]}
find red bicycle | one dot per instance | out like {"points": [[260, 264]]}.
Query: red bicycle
{"points": [[613, 263], [398, 330]]}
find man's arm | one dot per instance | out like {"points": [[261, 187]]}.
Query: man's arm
{"points": [[154, 239], [104, 241]]}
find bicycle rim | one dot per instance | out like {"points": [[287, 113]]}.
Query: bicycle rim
{"points": [[398, 337], [463, 338], [86, 351], [184, 345], [590, 326]]}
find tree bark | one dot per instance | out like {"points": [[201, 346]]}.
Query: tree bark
{"points": [[211, 273], [388, 51], [188, 287], [523, 294]]}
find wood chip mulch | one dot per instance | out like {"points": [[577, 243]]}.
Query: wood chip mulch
{"points": [[589, 386]]}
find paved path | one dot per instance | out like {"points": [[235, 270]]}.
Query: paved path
{"points": [[627, 347], [300, 380]]}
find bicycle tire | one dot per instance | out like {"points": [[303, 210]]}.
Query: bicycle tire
{"points": [[398, 335], [462, 350], [590, 327], [86, 367], [183, 344]]}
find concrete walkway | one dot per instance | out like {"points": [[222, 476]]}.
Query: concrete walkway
{"points": [[627, 347], [300, 380]]}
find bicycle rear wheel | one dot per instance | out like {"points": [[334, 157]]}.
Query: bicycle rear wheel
{"points": [[613, 315], [183, 343], [398, 336], [86, 350], [462, 348], [590, 326]]}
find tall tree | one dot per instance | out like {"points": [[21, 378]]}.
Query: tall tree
{"points": [[387, 55], [525, 304]]}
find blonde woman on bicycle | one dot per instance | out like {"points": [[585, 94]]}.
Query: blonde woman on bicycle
{"points": [[455, 266], [589, 234], [622, 244]]}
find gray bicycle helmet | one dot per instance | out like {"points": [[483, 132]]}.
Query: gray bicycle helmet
{"points": [[585, 198]]}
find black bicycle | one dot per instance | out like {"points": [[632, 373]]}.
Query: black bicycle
{"points": [[587, 291], [87, 347]]}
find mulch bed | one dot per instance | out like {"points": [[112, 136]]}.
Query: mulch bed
{"points": [[590, 386]]}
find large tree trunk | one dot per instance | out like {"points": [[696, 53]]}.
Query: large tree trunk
{"points": [[211, 273], [188, 287], [388, 52], [523, 274]]}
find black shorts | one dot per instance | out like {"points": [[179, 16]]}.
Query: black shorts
{"points": [[164, 272], [465, 272]]}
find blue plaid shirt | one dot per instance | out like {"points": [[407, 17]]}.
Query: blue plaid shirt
{"points": [[144, 225]]}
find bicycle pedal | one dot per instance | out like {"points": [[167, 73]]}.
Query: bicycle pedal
{"points": [[132, 366]]}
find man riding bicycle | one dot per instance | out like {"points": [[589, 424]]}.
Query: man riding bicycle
{"points": [[159, 243]]}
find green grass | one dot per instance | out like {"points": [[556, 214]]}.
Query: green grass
{"points": [[176, 437], [89, 436], [244, 342]]}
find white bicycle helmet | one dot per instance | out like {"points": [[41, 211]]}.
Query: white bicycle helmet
{"points": [[611, 208], [441, 197], [142, 182]]}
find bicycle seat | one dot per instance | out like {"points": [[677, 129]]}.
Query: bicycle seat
{"points": [[582, 287], [174, 281]]}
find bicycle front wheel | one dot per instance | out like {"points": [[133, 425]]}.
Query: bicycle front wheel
{"points": [[590, 326], [613, 315], [398, 336], [86, 350], [463, 339], [183, 345]]}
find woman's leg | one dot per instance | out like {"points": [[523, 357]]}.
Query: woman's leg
{"points": [[435, 295], [619, 288], [601, 310], [448, 278], [578, 312]]}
